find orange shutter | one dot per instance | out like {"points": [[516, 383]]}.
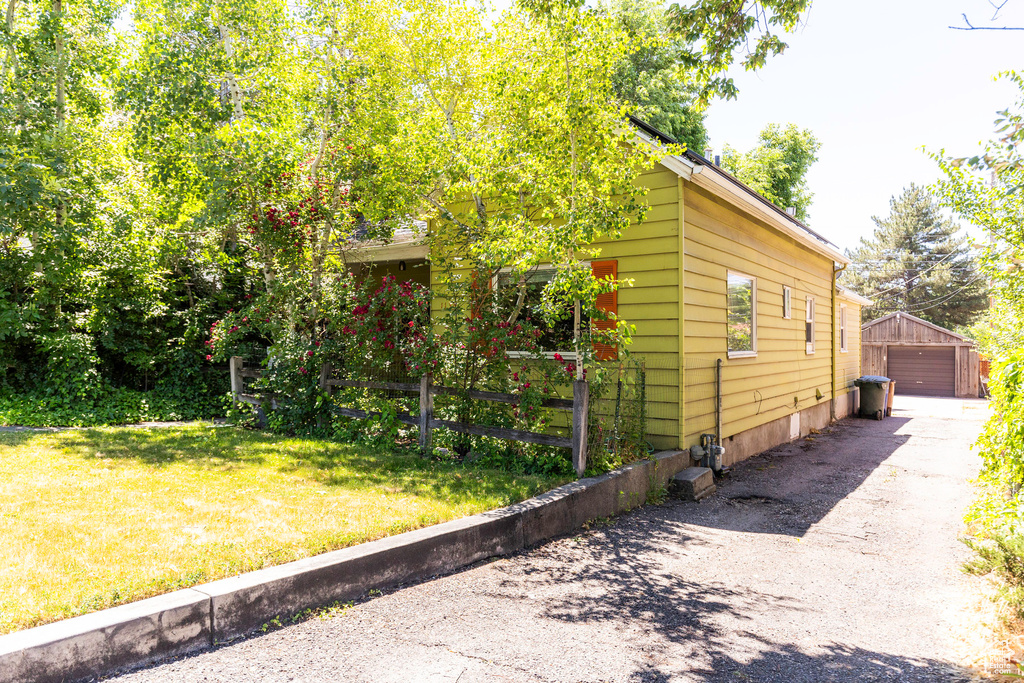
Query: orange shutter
{"points": [[609, 303]]}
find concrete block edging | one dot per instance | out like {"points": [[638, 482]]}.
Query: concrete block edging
{"points": [[197, 618]]}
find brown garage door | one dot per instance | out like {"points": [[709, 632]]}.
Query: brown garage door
{"points": [[923, 370]]}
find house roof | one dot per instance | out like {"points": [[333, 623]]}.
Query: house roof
{"points": [[691, 166], [918, 321], [407, 242], [848, 293]]}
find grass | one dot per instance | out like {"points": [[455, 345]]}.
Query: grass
{"points": [[94, 518]]}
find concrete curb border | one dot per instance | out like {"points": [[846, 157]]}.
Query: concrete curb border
{"points": [[194, 619]]}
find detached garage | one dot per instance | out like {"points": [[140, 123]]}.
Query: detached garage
{"points": [[924, 359]]}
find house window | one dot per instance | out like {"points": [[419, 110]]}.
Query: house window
{"points": [[741, 315], [558, 336], [787, 302], [842, 328], [809, 325]]}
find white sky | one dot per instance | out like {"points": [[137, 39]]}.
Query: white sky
{"points": [[877, 80]]}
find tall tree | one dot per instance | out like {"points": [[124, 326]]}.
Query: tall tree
{"points": [[63, 188], [777, 168], [918, 262], [679, 57], [716, 32], [525, 152], [651, 78]]}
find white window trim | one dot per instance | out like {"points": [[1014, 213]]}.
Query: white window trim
{"points": [[809, 318], [753, 316], [843, 341], [550, 355], [787, 302]]}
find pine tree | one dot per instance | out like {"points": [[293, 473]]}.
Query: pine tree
{"points": [[918, 262]]}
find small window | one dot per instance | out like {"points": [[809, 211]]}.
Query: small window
{"points": [[787, 302], [741, 315], [842, 328], [558, 337], [809, 325]]}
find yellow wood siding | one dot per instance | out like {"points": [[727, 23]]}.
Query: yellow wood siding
{"points": [[649, 255], [718, 237], [848, 363], [782, 378]]}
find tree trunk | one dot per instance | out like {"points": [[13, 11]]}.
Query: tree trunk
{"points": [[234, 92], [9, 23], [58, 46]]}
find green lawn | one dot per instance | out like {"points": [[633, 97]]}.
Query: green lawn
{"points": [[95, 518]]}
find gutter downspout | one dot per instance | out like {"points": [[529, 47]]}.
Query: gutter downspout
{"points": [[836, 270]]}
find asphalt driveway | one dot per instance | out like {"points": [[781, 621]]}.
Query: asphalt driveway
{"points": [[829, 559]]}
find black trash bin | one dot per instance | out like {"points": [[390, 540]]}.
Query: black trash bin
{"points": [[874, 394]]}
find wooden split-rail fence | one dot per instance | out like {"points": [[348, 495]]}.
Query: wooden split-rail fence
{"points": [[425, 421]]}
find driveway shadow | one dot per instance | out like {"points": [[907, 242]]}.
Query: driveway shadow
{"points": [[789, 488], [684, 629], [832, 663]]}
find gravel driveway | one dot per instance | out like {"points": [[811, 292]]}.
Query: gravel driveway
{"points": [[833, 558]]}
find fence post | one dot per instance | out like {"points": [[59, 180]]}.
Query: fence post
{"points": [[580, 400], [426, 413], [325, 374], [235, 369]]}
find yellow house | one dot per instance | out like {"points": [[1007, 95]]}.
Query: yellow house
{"points": [[743, 328]]}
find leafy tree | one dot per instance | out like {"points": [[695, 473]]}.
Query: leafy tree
{"points": [[59, 152], [716, 31], [679, 58], [527, 158], [777, 168], [986, 190], [919, 263], [650, 78], [227, 155]]}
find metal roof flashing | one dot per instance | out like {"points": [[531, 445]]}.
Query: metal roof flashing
{"points": [[769, 211], [690, 164], [849, 294]]}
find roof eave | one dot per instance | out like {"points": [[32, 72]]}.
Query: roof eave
{"points": [[917, 320], [677, 163], [724, 185], [853, 296], [401, 251], [690, 164]]}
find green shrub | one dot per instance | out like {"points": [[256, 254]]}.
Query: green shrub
{"points": [[1001, 554]]}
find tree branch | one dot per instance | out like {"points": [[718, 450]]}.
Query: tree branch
{"points": [[315, 168], [972, 27]]}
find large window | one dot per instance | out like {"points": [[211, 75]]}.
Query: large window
{"points": [[741, 315], [557, 337], [809, 325], [842, 328]]}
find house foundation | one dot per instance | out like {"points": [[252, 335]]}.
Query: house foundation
{"points": [[739, 447]]}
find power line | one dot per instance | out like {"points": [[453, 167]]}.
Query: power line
{"points": [[937, 301], [930, 257], [919, 308], [919, 274]]}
